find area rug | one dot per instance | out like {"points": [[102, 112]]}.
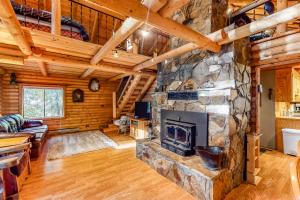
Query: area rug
{"points": [[77, 143]]}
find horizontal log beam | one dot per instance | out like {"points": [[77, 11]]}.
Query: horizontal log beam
{"points": [[11, 60], [132, 8], [103, 66], [10, 21], [269, 53], [270, 21]]}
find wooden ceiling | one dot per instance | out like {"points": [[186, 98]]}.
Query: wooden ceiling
{"points": [[72, 49]]}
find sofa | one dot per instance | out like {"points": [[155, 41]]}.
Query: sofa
{"points": [[14, 125]]}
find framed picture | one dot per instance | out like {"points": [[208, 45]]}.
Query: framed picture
{"points": [[94, 85], [78, 95]]}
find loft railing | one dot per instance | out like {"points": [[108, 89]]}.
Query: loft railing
{"points": [[82, 22]]}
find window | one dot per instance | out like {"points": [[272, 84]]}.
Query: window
{"points": [[42, 102]]}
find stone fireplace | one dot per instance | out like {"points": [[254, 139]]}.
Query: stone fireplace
{"points": [[181, 131], [216, 84]]}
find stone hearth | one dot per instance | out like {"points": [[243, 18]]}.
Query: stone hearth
{"points": [[187, 172]]}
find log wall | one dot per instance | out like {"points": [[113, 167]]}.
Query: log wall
{"points": [[94, 112]]}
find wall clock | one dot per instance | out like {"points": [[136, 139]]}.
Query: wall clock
{"points": [[94, 85]]}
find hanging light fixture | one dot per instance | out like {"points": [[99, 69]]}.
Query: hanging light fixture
{"points": [[144, 33], [116, 54], [13, 79]]}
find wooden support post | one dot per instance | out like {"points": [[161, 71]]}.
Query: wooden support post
{"points": [[114, 98], [56, 17], [135, 46], [10, 21], [281, 4], [253, 138], [43, 68]]}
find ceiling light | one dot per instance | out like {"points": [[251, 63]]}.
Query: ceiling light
{"points": [[128, 44], [116, 54], [145, 33], [166, 61]]}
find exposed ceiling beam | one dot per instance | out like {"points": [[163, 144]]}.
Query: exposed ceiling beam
{"points": [[270, 21], [215, 36], [172, 6], [103, 66], [262, 24], [43, 68], [56, 17], [10, 21], [133, 8], [129, 26]]}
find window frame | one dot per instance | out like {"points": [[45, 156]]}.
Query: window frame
{"points": [[23, 86]]}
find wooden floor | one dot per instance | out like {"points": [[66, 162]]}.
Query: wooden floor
{"points": [[108, 174], [275, 184], [113, 174]]}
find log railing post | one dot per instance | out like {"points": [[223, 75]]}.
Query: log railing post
{"points": [[56, 17], [114, 99]]}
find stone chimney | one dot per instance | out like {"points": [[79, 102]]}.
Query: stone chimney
{"points": [[222, 80]]}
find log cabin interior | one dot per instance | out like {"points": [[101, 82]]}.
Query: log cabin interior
{"points": [[150, 99]]}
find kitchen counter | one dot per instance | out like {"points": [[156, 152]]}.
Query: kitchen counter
{"points": [[288, 117], [281, 123]]}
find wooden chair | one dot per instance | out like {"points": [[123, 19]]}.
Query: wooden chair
{"points": [[295, 174], [10, 158]]}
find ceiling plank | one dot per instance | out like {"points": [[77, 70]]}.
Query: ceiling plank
{"points": [[129, 26], [133, 8], [10, 21], [173, 5], [56, 17]]}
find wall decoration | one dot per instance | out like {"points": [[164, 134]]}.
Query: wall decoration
{"points": [[78, 95], [94, 85]]}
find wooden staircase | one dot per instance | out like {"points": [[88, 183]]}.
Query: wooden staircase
{"points": [[134, 91]]}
